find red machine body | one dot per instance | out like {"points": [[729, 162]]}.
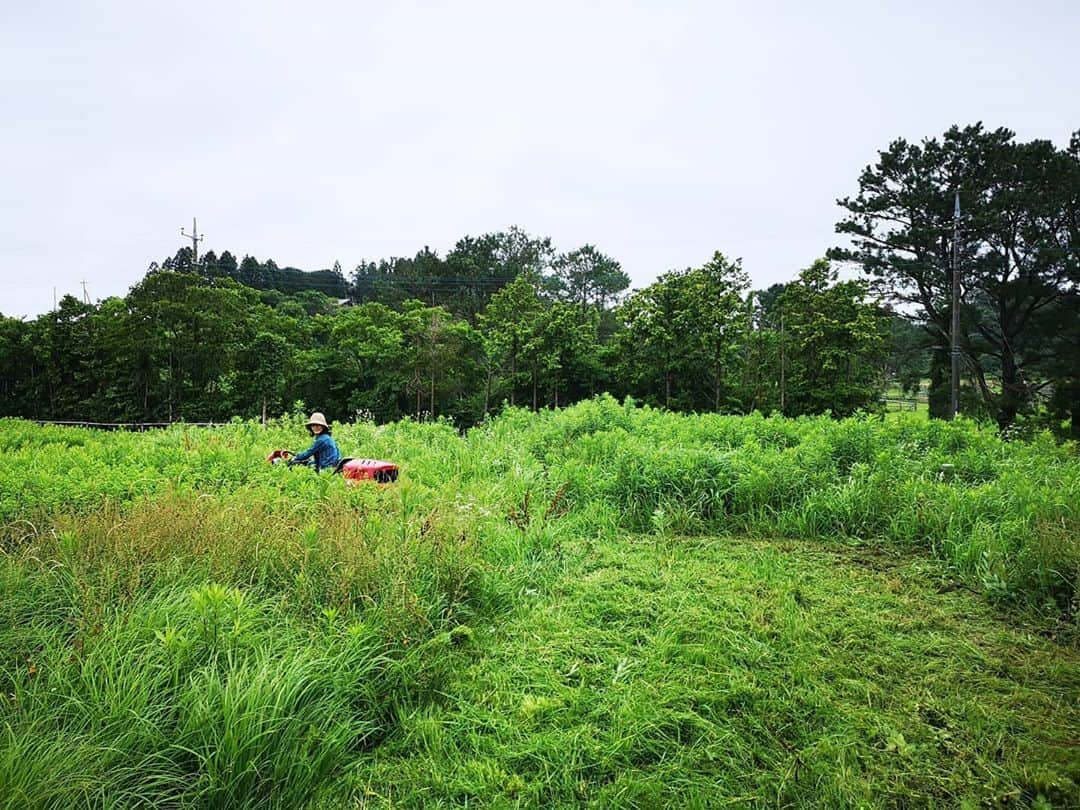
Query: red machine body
{"points": [[368, 469], [355, 469]]}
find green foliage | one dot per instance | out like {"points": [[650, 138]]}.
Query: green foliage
{"points": [[695, 341], [1017, 248], [587, 277], [832, 342], [683, 330], [194, 342], [312, 287], [908, 348], [537, 611]]}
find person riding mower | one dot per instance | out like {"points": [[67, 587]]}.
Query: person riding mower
{"points": [[324, 454]]}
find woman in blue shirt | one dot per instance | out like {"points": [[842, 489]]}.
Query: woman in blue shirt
{"points": [[324, 450]]}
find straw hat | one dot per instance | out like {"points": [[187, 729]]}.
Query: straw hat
{"points": [[317, 419]]}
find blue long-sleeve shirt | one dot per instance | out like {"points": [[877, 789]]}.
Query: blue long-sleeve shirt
{"points": [[325, 451]]}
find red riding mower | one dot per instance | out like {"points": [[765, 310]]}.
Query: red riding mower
{"points": [[354, 469]]}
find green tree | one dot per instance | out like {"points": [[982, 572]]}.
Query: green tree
{"points": [[264, 362], [908, 347], [651, 346], [715, 318], [683, 334], [758, 385], [833, 344], [14, 370], [183, 261], [509, 327], [187, 334], [1018, 246], [565, 351], [63, 345], [364, 365], [250, 272], [226, 265], [478, 267], [442, 348], [588, 278]]}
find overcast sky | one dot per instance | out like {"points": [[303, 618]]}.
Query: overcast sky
{"points": [[658, 131]]}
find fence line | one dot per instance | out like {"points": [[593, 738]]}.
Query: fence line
{"points": [[122, 425], [901, 403]]}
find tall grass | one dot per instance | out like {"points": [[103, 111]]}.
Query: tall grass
{"points": [[1005, 515], [214, 651], [183, 624]]}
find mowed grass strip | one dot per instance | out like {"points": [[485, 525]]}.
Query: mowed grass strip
{"points": [[716, 672]]}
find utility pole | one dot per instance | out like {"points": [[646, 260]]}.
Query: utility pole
{"points": [[195, 238], [85, 294], [954, 337]]}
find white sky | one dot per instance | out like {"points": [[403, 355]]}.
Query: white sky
{"points": [[658, 131]]}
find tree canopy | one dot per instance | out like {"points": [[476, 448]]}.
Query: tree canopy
{"points": [[506, 318], [1018, 251]]}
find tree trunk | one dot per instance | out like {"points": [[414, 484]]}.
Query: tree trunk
{"points": [[1073, 394], [1012, 393], [938, 395], [513, 371], [172, 383], [783, 369], [487, 391], [264, 410], [716, 384], [418, 380]]}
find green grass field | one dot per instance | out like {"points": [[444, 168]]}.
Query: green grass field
{"points": [[751, 673], [602, 606]]}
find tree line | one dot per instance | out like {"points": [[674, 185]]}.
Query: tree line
{"points": [[200, 346], [505, 318]]}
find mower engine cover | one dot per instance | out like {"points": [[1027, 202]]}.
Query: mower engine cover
{"points": [[368, 469]]}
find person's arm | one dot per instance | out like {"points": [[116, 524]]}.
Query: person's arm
{"points": [[305, 455]]}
